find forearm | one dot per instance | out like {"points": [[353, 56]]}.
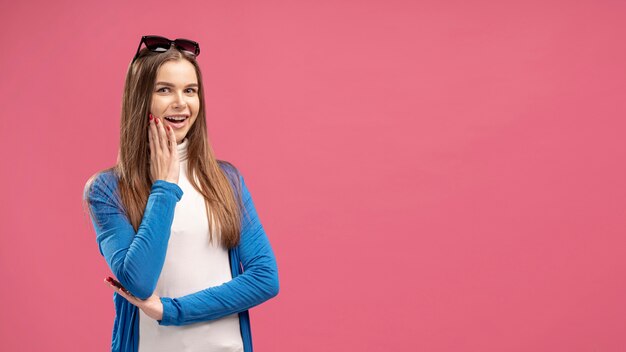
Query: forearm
{"points": [[136, 258], [256, 285], [242, 293]]}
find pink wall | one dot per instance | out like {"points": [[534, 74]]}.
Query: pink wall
{"points": [[434, 176]]}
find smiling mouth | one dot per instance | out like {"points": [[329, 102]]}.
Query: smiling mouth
{"points": [[176, 122], [176, 119]]}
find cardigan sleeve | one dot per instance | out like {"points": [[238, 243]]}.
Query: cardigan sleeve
{"points": [[257, 284], [135, 257]]}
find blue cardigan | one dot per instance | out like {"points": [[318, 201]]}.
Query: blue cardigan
{"points": [[136, 259]]}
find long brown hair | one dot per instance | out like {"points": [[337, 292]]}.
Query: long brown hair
{"points": [[223, 206]]}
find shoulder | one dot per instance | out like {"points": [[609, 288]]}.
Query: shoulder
{"points": [[234, 177], [228, 167], [102, 184], [231, 171]]}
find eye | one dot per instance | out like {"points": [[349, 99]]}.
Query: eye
{"points": [[160, 89], [191, 90]]}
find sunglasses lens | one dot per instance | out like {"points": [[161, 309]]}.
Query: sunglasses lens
{"points": [[188, 45], [157, 43]]}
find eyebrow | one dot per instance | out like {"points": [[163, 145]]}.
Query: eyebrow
{"points": [[172, 85]]}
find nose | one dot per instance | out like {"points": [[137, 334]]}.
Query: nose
{"points": [[179, 101]]}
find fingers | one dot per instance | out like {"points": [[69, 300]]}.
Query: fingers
{"points": [[155, 135], [163, 143], [121, 291], [163, 149], [151, 140], [172, 139]]}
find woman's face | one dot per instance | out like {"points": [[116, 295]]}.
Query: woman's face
{"points": [[175, 96]]}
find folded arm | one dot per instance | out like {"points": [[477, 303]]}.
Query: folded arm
{"points": [[257, 284], [135, 258]]}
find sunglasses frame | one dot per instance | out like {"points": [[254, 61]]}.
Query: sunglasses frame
{"points": [[176, 42]]}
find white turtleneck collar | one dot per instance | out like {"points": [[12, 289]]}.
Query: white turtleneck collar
{"points": [[182, 149]]}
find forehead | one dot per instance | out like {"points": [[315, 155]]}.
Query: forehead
{"points": [[179, 71]]}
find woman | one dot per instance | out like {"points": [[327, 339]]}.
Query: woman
{"points": [[176, 226]]}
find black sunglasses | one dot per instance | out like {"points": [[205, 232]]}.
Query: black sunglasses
{"points": [[162, 44]]}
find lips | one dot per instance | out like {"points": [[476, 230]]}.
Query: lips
{"points": [[172, 120], [176, 118]]}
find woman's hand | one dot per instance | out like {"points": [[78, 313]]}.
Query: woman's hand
{"points": [[164, 164], [152, 305]]}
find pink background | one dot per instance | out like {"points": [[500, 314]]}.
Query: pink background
{"points": [[433, 176]]}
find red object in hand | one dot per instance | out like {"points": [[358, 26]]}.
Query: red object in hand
{"points": [[116, 283]]}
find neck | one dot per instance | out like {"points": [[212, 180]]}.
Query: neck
{"points": [[181, 148]]}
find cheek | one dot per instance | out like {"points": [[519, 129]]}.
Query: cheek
{"points": [[154, 105], [159, 102]]}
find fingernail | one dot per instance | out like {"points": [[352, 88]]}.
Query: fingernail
{"points": [[168, 127], [151, 117], [156, 121]]}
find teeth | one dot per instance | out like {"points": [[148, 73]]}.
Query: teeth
{"points": [[176, 118]]}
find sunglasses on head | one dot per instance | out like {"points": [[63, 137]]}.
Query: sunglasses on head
{"points": [[161, 44]]}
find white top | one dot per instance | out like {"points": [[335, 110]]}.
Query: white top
{"points": [[191, 264]]}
